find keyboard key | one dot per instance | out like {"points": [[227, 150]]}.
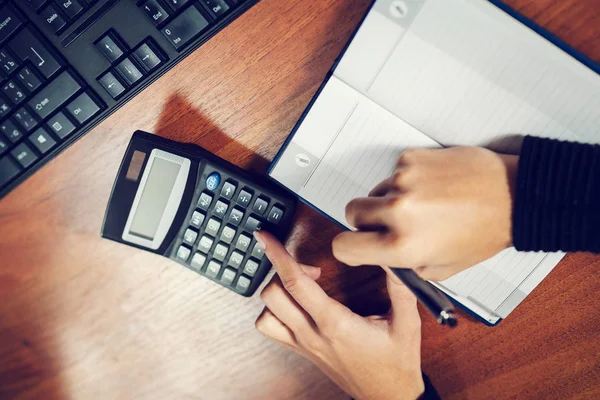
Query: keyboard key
{"points": [[28, 47], [111, 83], [243, 284], [29, 79], [61, 125], [5, 106], [25, 119], [183, 253], [55, 95], [71, 8], [83, 108], [235, 260], [129, 71], [257, 251], [155, 12], [212, 227], [8, 170], [148, 56], [220, 209], [42, 140], [205, 244], [185, 27], [227, 234], [13, 91], [204, 201], [110, 46], [235, 218], [176, 4], [217, 8], [10, 22], [8, 62], [275, 215], [37, 4], [243, 242], [198, 261], [252, 224], [220, 252], [197, 219], [250, 268], [213, 269], [24, 155], [228, 190], [190, 236], [213, 181], [260, 206], [11, 131], [228, 276], [4, 143], [244, 198], [53, 18], [89, 21]]}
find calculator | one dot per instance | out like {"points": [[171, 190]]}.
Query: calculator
{"points": [[185, 203]]}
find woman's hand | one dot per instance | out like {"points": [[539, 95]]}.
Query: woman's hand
{"points": [[441, 212], [369, 358]]}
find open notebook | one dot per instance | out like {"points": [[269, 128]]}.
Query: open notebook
{"points": [[430, 73]]}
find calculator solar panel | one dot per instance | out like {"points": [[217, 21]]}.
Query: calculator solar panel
{"points": [[65, 65]]}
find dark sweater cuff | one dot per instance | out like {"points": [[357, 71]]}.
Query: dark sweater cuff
{"points": [[557, 202], [430, 393]]}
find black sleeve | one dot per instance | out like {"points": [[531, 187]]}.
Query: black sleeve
{"points": [[430, 393], [557, 197]]}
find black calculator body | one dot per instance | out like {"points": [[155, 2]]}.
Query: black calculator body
{"points": [[185, 203]]}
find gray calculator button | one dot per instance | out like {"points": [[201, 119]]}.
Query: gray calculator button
{"points": [[243, 242], [235, 218], [220, 252], [244, 198], [227, 234], [220, 209], [228, 190], [212, 227], [197, 219], [198, 261], [257, 251], [190, 236], [213, 269], [243, 284], [204, 201], [183, 253], [275, 215], [260, 206], [235, 260], [228, 276], [205, 244], [251, 268], [252, 224]]}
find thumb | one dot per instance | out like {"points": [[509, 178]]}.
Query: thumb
{"points": [[404, 312]]}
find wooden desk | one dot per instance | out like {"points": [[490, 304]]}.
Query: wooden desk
{"points": [[82, 317]]}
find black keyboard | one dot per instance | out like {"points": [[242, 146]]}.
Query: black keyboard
{"points": [[65, 65]]}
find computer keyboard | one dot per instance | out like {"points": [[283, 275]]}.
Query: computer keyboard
{"points": [[65, 65]]}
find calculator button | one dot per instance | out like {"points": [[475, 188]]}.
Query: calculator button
{"points": [[183, 253], [244, 198], [204, 201], [197, 219], [260, 206], [250, 268], [235, 260], [190, 236], [257, 251], [213, 181], [198, 261], [220, 252], [213, 269], [228, 190], [220, 209], [205, 244], [227, 234], [252, 224], [243, 284], [235, 218], [212, 227], [243, 242], [228, 276], [275, 215]]}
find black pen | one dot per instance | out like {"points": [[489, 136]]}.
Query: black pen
{"points": [[430, 296]]}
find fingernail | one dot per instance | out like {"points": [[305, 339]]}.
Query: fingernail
{"points": [[260, 240]]}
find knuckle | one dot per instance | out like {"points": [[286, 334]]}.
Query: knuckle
{"points": [[408, 156], [336, 329], [262, 324], [291, 284]]}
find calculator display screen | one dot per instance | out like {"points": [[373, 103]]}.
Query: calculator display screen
{"points": [[155, 195]]}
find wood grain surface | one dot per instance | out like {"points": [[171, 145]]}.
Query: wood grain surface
{"points": [[86, 318]]}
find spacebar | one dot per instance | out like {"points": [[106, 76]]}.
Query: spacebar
{"points": [[88, 22]]}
